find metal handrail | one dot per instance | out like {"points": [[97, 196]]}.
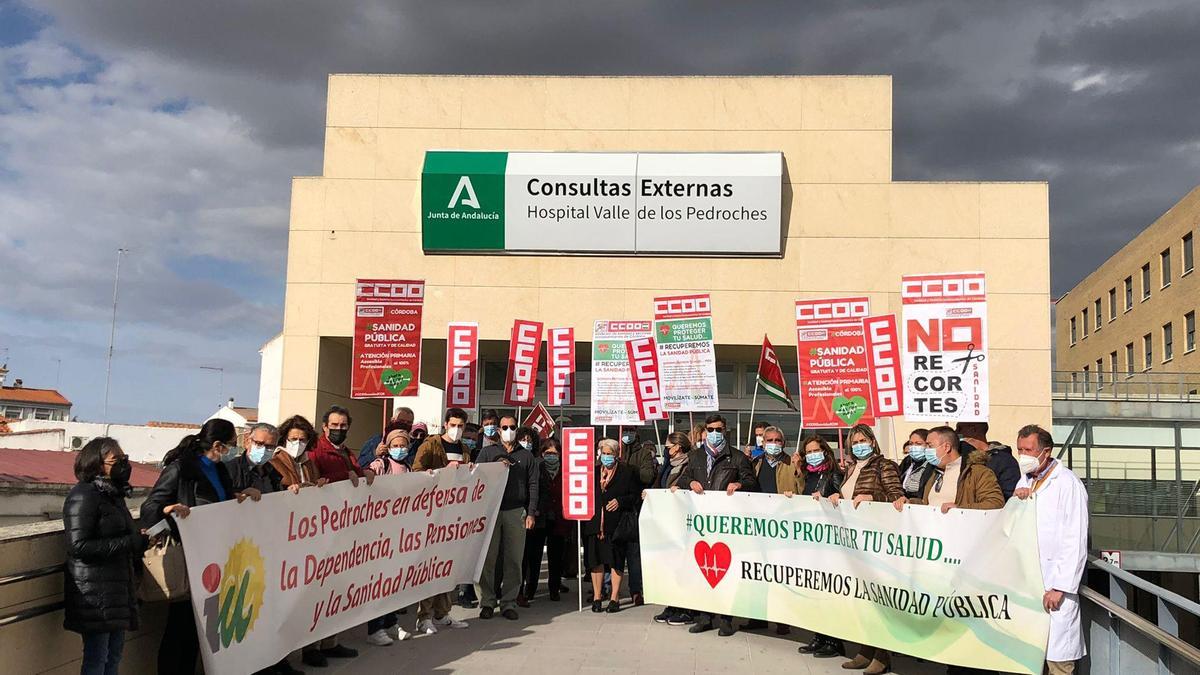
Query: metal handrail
{"points": [[1143, 626], [17, 617], [1138, 582], [38, 610], [1147, 385], [31, 574]]}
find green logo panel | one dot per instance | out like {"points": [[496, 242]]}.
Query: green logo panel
{"points": [[462, 201], [683, 330]]}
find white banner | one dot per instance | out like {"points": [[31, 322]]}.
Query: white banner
{"points": [[945, 347], [964, 587], [613, 400], [687, 360], [268, 577]]}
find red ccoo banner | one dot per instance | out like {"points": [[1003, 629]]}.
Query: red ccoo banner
{"points": [[539, 420], [883, 365], [643, 367], [386, 357], [560, 366], [462, 363], [579, 473], [524, 349]]}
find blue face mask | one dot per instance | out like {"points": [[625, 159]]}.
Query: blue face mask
{"points": [[627, 439], [773, 449], [527, 444], [815, 458], [470, 443], [862, 450], [551, 459], [398, 453], [608, 460], [931, 456], [715, 439], [489, 430], [917, 452], [257, 454]]}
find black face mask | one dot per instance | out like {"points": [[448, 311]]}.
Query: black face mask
{"points": [[120, 472], [337, 436]]}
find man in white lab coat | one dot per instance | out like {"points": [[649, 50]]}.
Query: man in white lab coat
{"points": [[1062, 518]]}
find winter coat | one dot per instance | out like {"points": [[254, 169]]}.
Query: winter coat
{"points": [[642, 462], [824, 482], [103, 566], [333, 462], [878, 477], [432, 455], [1008, 472], [550, 508], [624, 487], [977, 486], [665, 482], [183, 482], [785, 474], [728, 467], [244, 474], [384, 465], [284, 473], [927, 473]]}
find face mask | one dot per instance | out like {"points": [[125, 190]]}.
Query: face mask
{"points": [[398, 453], [862, 450], [932, 457], [715, 439], [758, 441], [489, 430], [453, 434], [507, 435], [120, 472], [229, 452], [816, 458], [773, 448], [1028, 463], [627, 439], [551, 459], [608, 460], [337, 436], [294, 448], [917, 452], [470, 443], [257, 453], [526, 444]]}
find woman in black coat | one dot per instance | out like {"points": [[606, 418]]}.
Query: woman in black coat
{"points": [[550, 529], [193, 475], [104, 550], [618, 492], [821, 479]]}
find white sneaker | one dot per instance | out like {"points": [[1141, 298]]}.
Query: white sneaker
{"points": [[449, 621], [426, 626], [399, 634], [379, 638]]}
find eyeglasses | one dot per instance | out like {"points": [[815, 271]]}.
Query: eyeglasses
{"points": [[714, 428], [507, 427]]}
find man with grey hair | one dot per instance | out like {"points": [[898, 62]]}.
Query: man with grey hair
{"points": [[248, 471]]}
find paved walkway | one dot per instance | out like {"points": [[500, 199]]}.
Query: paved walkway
{"points": [[551, 637]]}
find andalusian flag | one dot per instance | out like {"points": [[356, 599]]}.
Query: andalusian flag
{"points": [[770, 375]]}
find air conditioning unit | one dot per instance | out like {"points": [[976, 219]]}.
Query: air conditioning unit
{"points": [[77, 442]]}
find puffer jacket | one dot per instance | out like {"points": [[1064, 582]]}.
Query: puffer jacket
{"points": [[727, 468], [977, 485], [183, 482], [878, 477], [824, 482], [104, 550]]}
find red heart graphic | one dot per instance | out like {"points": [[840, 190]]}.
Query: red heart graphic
{"points": [[713, 561]]}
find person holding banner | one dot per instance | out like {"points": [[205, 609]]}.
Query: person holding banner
{"points": [[776, 475], [489, 420], [961, 482], [517, 507], [332, 457], [872, 478], [1062, 528], [249, 471], [192, 475], [395, 460], [291, 469], [719, 466], [374, 447], [999, 456], [618, 494], [915, 470], [821, 479], [679, 447], [550, 529]]}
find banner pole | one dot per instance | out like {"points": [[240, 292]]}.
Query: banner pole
{"points": [[753, 404], [579, 554], [841, 443]]}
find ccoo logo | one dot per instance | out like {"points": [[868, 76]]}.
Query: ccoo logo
{"points": [[235, 595]]}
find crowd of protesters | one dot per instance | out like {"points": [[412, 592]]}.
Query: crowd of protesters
{"points": [[947, 468]]}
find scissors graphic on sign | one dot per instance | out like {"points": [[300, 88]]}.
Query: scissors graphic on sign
{"points": [[971, 356]]}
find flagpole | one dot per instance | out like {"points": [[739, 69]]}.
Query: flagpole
{"points": [[753, 403], [579, 554]]}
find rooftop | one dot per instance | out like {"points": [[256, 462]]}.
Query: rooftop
{"points": [[50, 467], [28, 395]]}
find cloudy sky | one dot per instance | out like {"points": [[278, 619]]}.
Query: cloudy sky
{"points": [[173, 129]]}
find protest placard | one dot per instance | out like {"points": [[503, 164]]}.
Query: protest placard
{"points": [[612, 400], [834, 388], [687, 360], [386, 352], [945, 346]]}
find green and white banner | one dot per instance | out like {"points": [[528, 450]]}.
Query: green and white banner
{"points": [[597, 202], [959, 588]]}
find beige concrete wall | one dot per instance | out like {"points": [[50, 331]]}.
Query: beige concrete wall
{"points": [[1167, 304], [849, 228]]}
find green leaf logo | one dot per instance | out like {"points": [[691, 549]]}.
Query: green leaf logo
{"points": [[849, 410], [397, 381]]}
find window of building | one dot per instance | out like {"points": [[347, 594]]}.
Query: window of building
{"points": [[1164, 260], [1087, 377], [1096, 309], [1129, 367], [41, 414], [14, 413], [1112, 365], [1112, 304], [726, 379], [1145, 282], [1188, 255], [1072, 331], [1147, 351], [1086, 323], [1128, 293], [1168, 342], [1099, 373], [1074, 382], [1189, 332]]}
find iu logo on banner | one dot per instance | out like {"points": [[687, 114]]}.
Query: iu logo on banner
{"points": [[579, 478], [462, 362], [524, 349], [539, 420], [883, 365], [560, 366], [643, 367]]}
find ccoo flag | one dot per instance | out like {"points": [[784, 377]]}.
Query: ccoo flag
{"points": [[770, 375]]}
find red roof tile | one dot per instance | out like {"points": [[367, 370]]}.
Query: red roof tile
{"points": [[51, 467], [27, 395], [172, 425]]}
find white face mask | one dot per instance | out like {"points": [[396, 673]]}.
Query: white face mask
{"points": [[758, 441], [294, 448], [453, 434], [508, 435], [1028, 463]]}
